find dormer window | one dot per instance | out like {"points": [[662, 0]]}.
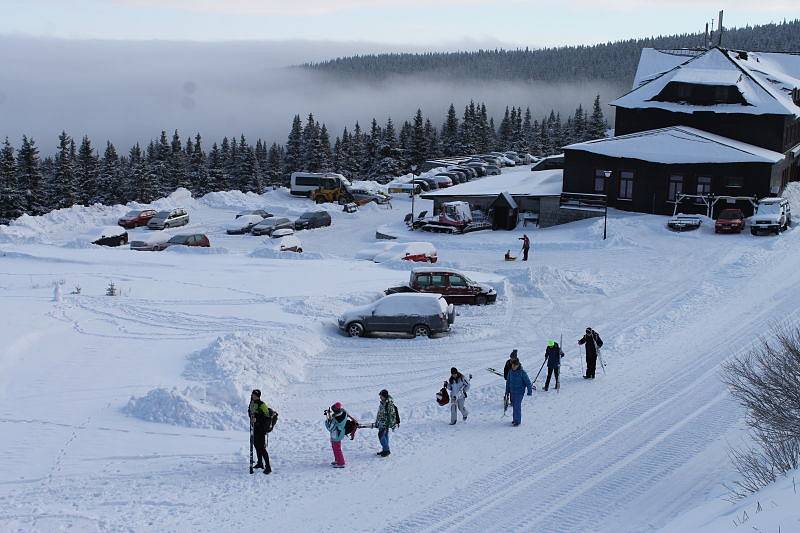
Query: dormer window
{"points": [[700, 94]]}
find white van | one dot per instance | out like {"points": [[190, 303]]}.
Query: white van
{"points": [[772, 215], [304, 183]]}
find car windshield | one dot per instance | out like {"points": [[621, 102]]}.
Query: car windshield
{"points": [[179, 239], [162, 214], [729, 215], [267, 222], [769, 209]]}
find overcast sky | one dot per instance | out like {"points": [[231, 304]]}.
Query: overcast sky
{"points": [[417, 22]]}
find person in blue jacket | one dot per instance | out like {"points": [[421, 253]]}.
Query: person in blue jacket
{"points": [[516, 384]]}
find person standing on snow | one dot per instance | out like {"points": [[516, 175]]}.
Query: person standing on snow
{"points": [[457, 386], [335, 422], [516, 384], [260, 416], [526, 246], [593, 343], [386, 420], [511, 359], [553, 354]]}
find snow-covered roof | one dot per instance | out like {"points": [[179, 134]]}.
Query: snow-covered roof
{"points": [[518, 182], [764, 79], [678, 144]]}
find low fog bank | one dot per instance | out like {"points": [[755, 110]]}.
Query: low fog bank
{"points": [[128, 92]]}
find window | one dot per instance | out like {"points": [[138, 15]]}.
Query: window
{"points": [[704, 185], [457, 281], [735, 182], [437, 280], [600, 180], [625, 185], [675, 187], [424, 281]]}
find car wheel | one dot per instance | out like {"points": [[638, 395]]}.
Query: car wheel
{"points": [[421, 330], [480, 300], [355, 329]]}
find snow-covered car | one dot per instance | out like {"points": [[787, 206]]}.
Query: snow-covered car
{"points": [[684, 222], [282, 232], [313, 219], [420, 315], [452, 284], [243, 224], [289, 243], [772, 215], [493, 170], [268, 225], [409, 251], [730, 221], [136, 218], [109, 236], [190, 239], [443, 181], [260, 212], [363, 196]]}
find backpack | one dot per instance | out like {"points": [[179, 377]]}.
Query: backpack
{"points": [[350, 427], [272, 419], [442, 397], [396, 415]]}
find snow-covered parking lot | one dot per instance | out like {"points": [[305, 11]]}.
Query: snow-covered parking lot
{"points": [[129, 412]]}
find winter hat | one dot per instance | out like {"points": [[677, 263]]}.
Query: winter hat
{"points": [[513, 354], [551, 343], [384, 393], [337, 406], [588, 329], [257, 392], [454, 370]]}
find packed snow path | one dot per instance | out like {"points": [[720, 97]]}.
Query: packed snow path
{"points": [[628, 451]]}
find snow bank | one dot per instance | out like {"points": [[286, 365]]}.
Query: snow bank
{"points": [[197, 250], [269, 252], [546, 281], [224, 373]]}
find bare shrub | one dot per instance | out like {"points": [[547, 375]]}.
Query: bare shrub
{"points": [[766, 381]]}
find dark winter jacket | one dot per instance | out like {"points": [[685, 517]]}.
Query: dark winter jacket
{"points": [[336, 425], [261, 412], [593, 342], [526, 242], [553, 354], [518, 381]]}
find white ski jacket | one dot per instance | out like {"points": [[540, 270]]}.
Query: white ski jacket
{"points": [[458, 388]]}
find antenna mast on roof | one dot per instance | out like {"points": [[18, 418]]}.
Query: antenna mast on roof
{"points": [[719, 40], [705, 38]]}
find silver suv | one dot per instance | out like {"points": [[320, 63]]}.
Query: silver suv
{"points": [[772, 215], [169, 219]]}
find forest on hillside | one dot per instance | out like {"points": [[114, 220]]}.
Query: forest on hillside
{"points": [[612, 62]]}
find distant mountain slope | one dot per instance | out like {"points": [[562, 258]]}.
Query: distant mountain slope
{"points": [[615, 61]]}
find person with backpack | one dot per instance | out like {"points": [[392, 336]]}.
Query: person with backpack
{"points": [[457, 386], [507, 367], [593, 343], [553, 355], [387, 419], [516, 384], [335, 422], [261, 417]]}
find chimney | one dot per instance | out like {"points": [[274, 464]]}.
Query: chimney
{"points": [[742, 56]]}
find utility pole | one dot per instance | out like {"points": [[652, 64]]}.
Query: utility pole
{"points": [[413, 188], [719, 40]]}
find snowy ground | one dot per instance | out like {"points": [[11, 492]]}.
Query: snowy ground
{"points": [[127, 412]]}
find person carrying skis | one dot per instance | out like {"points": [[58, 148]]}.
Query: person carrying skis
{"points": [[526, 246], [553, 354], [593, 343], [516, 384], [335, 421], [457, 386], [260, 419], [386, 420], [511, 359]]}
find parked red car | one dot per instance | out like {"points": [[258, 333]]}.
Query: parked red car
{"points": [[452, 284], [730, 220], [139, 217]]}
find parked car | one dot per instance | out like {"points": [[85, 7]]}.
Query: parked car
{"points": [[268, 225], [514, 157], [420, 315], [313, 219], [136, 218], [191, 239], [259, 212], [363, 196], [408, 251], [290, 243], [169, 219], [730, 220], [551, 162], [503, 158], [684, 222], [281, 232], [431, 182], [480, 168], [443, 181], [110, 236], [772, 215], [493, 170], [243, 224], [452, 284], [424, 185]]}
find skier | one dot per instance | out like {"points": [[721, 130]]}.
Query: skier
{"points": [[386, 420], [260, 415], [457, 386], [511, 359], [553, 354], [593, 343], [526, 246], [516, 384], [335, 421]]}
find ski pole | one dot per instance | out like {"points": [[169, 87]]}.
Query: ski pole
{"points": [[539, 372], [251, 443]]}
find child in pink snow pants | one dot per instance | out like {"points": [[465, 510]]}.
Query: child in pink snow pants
{"points": [[335, 421]]}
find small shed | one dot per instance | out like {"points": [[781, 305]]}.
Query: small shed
{"points": [[504, 212]]}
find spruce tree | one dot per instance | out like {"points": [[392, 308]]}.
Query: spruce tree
{"points": [[249, 179], [29, 177], [597, 123], [217, 177], [88, 172], [62, 190], [12, 203], [449, 137], [293, 161], [312, 148], [110, 183], [419, 142], [198, 172], [325, 152], [274, 168], [389, 137]]}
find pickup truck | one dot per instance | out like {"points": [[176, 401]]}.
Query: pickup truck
{"points": [[452, 284]]}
